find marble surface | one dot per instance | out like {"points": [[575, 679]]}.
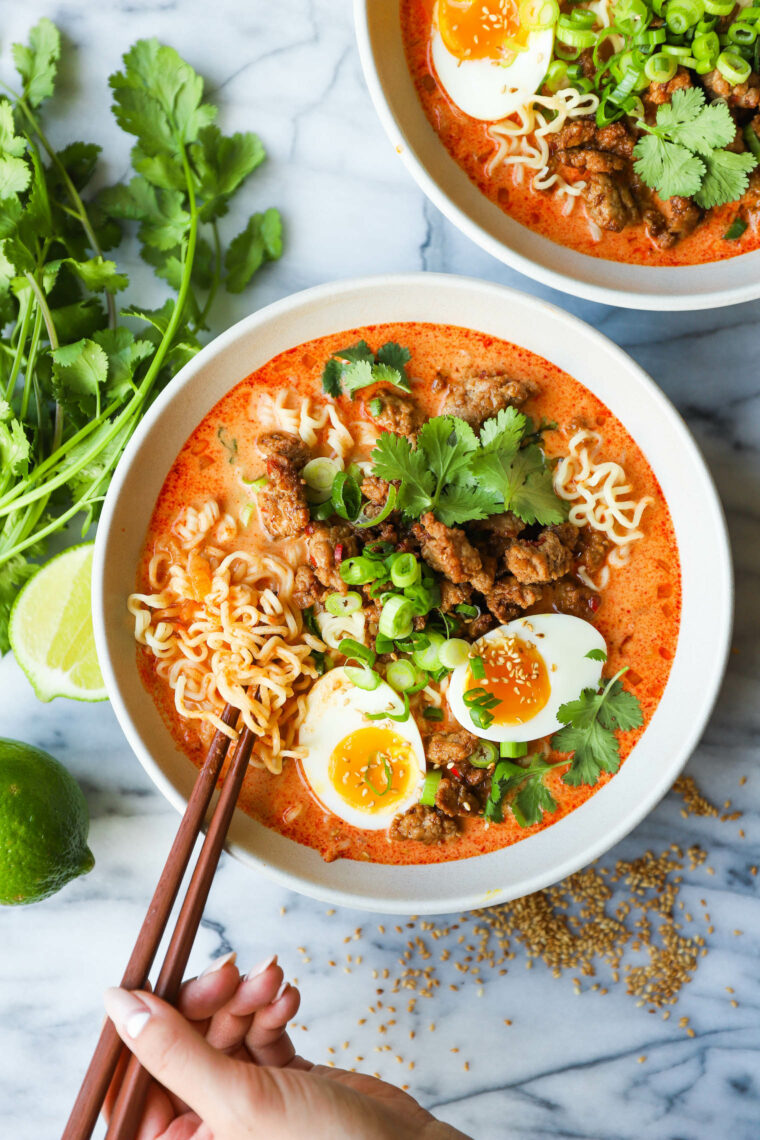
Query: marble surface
{"points": [[569, 1065]]}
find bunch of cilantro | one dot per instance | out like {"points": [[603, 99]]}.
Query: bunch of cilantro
{"points": [[75, 378], [462, 477], [683, 152]]}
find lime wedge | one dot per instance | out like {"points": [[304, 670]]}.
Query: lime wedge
{"points": [[51, 629]]}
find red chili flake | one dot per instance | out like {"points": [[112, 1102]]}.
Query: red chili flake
{"points": [[594, 603], [339, 553], [455, 772]]}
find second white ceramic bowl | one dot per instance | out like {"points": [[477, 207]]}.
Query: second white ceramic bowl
{"points": [[381, 48], [628, 393]]}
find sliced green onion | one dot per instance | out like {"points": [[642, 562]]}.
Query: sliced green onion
{"points": [[246, 513], [432, 713], [346, 496], [405, 571], [387, 772], [536, 15], [486, 754], [340, 604], [322, 511], [401, 675], [375, 406], [384, 644], [400, 716], [256, 484], [706, 47], [427, 657], [556, 75], [573, 36], [680, 15], [477, 668], [650, 37], [358, 571], [752, 141], [511, 749], [660, 68], [356, 651], [363, 678], [626, 85], [390, 503], [735, 230], [396, 617], [430, 787], [480, 717], [319, 475], [742, 34], [454, 652], [677, 50], [719, 7], [422, 599], [467, 611], [733, 67], [481, 697]]}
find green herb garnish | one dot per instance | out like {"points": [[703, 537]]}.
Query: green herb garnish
{"points": [[357, 366], [683, 151], [531, 796], [591, 722]]}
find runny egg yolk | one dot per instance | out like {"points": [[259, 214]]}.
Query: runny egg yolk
{"points": [[516, 674], [372, 768], [479, 29]]}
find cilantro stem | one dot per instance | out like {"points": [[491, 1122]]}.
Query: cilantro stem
{"points": [[216, 280], [26, 317], [31, 361], [47, 316]]}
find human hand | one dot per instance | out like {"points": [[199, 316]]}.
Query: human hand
{"points": [[226, 1068]]}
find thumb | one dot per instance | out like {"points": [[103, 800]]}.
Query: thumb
{"points": [[175, 1053]]}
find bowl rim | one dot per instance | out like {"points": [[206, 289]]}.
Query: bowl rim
{"points": [[672, 300], [711, 514]]}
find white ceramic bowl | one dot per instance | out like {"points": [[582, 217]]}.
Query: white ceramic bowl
{"points": [[381, 49], [624, 388]]}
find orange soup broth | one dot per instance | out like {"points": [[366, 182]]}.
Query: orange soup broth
{"points": [[639, 617], [468, 142]]}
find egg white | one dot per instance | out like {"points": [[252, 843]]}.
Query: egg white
{"points": [[335, 708], [563, 642], [488, 89]]}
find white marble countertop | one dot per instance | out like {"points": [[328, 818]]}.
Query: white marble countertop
{"points": [[569, 1065]]}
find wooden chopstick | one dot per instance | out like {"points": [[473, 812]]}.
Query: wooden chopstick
{"points": [[130, 1102], [105, 1058]]}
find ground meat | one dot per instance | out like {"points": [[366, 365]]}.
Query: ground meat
{"points": [[571, 598], [592, 549], [609, 201], [509, 597], [541, 561], [497, 531], [307, 589], [470, 775], [452, 596], [424, 824], [477, 398], [328, 546], [375, 489], [450, 747], [658, 93], [613, 139], [448, 550], [282, 503], [567, 532], [398, 413], [452, 798], [743, 95], [751, 199], [667, 220], [590, 160], [285, 445], [479, 625]]}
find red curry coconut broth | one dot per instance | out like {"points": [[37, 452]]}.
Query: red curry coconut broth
{"points": [[562, 114], [420, 587]]}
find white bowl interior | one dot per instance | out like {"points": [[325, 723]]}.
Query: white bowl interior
{"points": [[446, 184], [634, 399]]}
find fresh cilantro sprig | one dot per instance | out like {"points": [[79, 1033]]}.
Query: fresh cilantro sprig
{"points": [[462, 477], [526, 789], [683, 152], [357, 366], [590, 723], [74, 378]]}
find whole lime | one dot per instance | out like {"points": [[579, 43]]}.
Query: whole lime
{"points": [[43, 825]]}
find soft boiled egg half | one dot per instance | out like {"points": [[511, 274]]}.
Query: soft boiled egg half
{"points": [[531, 666], [365, 771], [491, 55]]}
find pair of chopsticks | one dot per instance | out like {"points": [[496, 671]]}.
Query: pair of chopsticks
{"points": [[130, 1102]]}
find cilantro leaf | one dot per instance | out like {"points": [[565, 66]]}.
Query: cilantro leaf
{"points": [[393, 355], [534, 798], [357, 375], [461, 503], [15, 572], [530, 795], [393, 458], [98, 274], [504, 431], [726, 179], [37, 62], [14, 446], [667, 167], [447, 443], [356, 352], [79, 370], [260, 241], [590, 723], [331, 377], [223, 163], [596, 655], [523, 482], [692, 124]]}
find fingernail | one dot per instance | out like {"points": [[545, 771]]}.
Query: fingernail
{"points": [[218, 963], [280, 992], [261, 967], [126, 1010]]}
